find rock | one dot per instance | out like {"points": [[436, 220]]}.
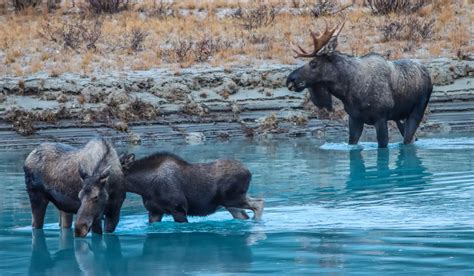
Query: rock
{"points": [[134, 138], [117, 97], [49, 96], [2, 97], [195, 138], [228, 87], [61, 98], [171, 91], [120, 126]]}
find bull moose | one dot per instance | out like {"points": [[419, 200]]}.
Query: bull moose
{"points": [[170, 185], [87, 181], [372, 89]]}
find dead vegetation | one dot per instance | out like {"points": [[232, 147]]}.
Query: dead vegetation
{"points": [[108, 6], [74, 33], [407, 28], [257, 15], [384, 7], [153, 34]]}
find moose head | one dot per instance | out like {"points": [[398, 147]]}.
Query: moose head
{"points": [[320, 70], [93, 197]]}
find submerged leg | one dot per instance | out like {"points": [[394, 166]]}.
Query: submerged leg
{"points": [[253, 204], [382, 132], [355, 130], [38, 209], [97, 226], [401, 127], [414, 120], [65, 220], [154, 217], [179, 216], [238, 213]]}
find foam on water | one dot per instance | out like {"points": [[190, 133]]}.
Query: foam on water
{"points": [[423, 143]]}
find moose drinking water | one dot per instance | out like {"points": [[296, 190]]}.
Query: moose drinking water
{"points": [[87, 181], [372, 89], [170, 185]]}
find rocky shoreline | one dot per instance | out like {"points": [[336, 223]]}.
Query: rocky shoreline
{"points": [[197, 104]]}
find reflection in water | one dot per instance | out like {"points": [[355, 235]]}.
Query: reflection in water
{"points": [[200, 251], [408, 170], [330, 210], [42, 262], [165, 253]]}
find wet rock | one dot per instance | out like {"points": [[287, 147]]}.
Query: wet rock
{"points": [[134, 138], [195, 138], [3, 97], [267, 124], [120, 126], [22, 121], [297, 118], [223, 135]]}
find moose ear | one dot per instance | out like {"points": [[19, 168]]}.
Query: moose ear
{"points": [[127, 158], [82, 173], [104, 175], [130, 158], [330, 46]]}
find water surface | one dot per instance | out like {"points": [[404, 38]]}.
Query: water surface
{"points": [[329, 208]]}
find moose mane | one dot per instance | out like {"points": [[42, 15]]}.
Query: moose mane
{"points": [[155, 160]]}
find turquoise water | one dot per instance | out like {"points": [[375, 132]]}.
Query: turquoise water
{"points": [[330, 208]]}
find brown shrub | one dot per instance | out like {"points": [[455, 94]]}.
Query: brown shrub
{"points": [[108, 6], [260, 15], [384, 7], [73, 33]]}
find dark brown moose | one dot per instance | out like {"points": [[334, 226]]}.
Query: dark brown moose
{"points": [[170, 185], [87, 181], [372, 89]]}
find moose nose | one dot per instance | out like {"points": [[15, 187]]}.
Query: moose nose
{"points": [[290, 85], [81, 230]]}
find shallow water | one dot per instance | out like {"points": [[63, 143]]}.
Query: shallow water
{"points": [[329, 208]]}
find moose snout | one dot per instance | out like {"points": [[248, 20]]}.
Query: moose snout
{"points": [[290, 83], [81, 230]]}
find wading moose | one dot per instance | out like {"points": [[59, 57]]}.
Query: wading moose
{"points": [[87, 181], [170, 185], [372, 89]]}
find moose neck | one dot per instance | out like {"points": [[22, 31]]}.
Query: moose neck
{"points": [[345, 66], [133, 185]]}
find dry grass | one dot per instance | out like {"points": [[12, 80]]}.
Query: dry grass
{"points": [[139, 39]]}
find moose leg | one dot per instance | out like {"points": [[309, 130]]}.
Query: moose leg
{"points": [[237, 213], [382, 132], [154, 217], [111, 220], [97, 226], [179, 215], [401, 127], [254, 204], [65, 220], [412, 124], [355, 130], [38, 208]]}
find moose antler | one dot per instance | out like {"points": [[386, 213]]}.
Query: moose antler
{"points": [[319, 40]]}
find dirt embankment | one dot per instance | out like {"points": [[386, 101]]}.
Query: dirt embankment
{"points": [[199, 103]]}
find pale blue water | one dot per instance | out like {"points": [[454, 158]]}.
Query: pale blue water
{"points": [[329, 208]]}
